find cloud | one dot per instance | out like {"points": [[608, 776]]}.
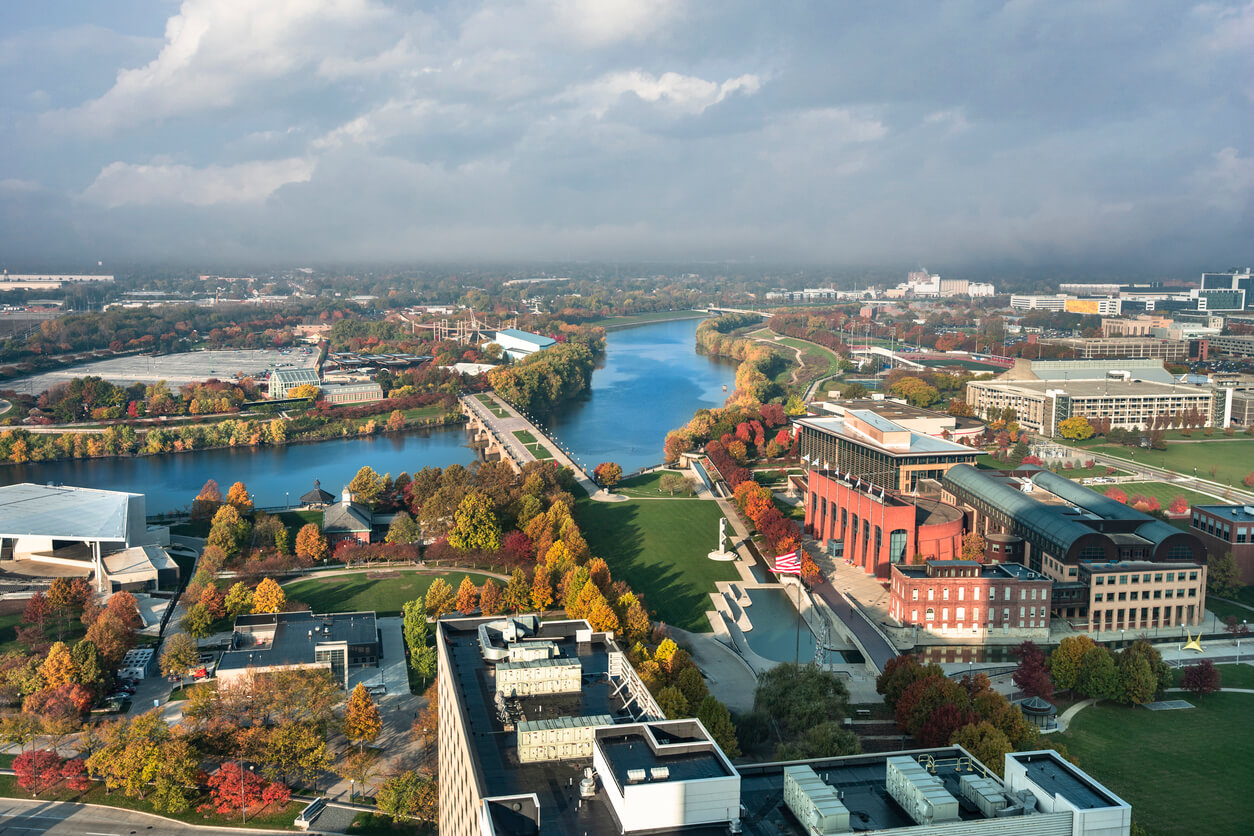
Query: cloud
{"points": [[215, 53], [677, 93], [123, 184], [600, 22]]}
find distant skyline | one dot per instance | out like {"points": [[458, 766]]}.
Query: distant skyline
{"points": [[1034, 137]]}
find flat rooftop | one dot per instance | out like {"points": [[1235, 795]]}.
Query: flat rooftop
{"points": [[1059, 778], [920, 444], [1236, 513], [1094, 388], [64, 513], [993, 571], [295, 635]]}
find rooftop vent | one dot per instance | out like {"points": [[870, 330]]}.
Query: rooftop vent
{"points": [[659, 773], [635, 776]]}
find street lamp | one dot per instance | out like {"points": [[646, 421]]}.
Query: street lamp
{"points": [[1122, 631], [243, 811]]}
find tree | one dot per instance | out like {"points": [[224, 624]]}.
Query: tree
{"points": [[490, 598], [474, 524], [235, 789], [1179, 505], [408, 795], [229, 530], [295, 752], [1075, 428], [988, 743], [179, 654], [38, 770], [358, 767], [607, 474], [403, 529], [1222, 576], [1236, 629], [718, 722], [111, 638], [801, 698], [1143, 675], [58, 667], [973, 546], [517, 592], [361, 719], [238, 497], [467, 596], [542, 588], [207, 502], [88, 667], [1098, 676], [304, 391], [673, 483], [1032, 676], [37, 612], [197, 622], [124, 606], [269, 597], [310, 544], [239, 599], [366, 487], [1064, 662], [440, 598], [414, 625], [215, 603], [899, 674], [1201, 679]]}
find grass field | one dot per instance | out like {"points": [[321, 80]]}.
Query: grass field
{"points": [[1183, 772], [383, 592], [533, 445], [648, 485], [1223, 609], [815, 352], [11, 617], [492, 406], [659, 547], [1232, 676], [1164, 492], [1231, 459]]}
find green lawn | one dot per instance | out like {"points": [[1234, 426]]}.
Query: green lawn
{"points": [[1183, 772], [383, 592], [659, 547], [647, 484], [816, 353], [1233, 676], [377, 824], [1223, 609], [1231, 459], [492, 405], [9, 624], [525, 436], [1164, 492], [296, 520]]}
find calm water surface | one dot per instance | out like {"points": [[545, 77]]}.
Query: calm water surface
{"points": [[651, 381]]}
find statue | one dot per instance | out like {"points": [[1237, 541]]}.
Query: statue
{"points": [[721, 552]]}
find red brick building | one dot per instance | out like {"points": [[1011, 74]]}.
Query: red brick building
{"points": [[1227, 529], [876, 529], [965, 598], [347, 520]]}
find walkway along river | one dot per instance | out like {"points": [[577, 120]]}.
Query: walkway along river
{"points": [[650, 382]]}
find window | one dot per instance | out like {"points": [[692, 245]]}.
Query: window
{"points": [[1193, 576], [1099, 580], [975, 594], [1171, 576], [1097, 598], [975, 615], [930, 614], [1136, 579], [931, 594], [945, 594], [945, 615], [961, 592], [961, 614], [914, 615], [1123, 579], [1023, 594], [1158, 577], [1007, 596], [914, 594]]}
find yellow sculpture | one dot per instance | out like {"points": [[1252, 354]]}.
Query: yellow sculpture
{"points": [[1193, 643]]}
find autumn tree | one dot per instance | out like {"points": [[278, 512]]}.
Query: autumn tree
{"points": [[1201, 679], [294, 752], [38, 770], [542, 588], [124, 606], [367, 486], [58, 666], [238, 497], [361, 718], [269, 597], [440, 598], [1075, 428], [207, 502], [607, 474], [467, 596], [408, 795], [179, 654], [490, 598], [403, 529], [235, 790], [197, 621], [229, 530], [310, 544], [973, 546], [239, 599], [141, 757], [1032, 676], [111, 637], [1064, 661], [35, 619], [984, 740], [517, 595], [475, 526]]}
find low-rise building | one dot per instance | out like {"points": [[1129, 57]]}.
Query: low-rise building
{"points": [[1025, 302], [283, 381], [968, 599], [338, 642], [1227, 529], [1091, 348], [347, 520], [519, 344], [916, 419], [357, 391]]}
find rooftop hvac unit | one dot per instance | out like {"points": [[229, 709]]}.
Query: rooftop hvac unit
{"points": [[635, 776], [659, 773]]}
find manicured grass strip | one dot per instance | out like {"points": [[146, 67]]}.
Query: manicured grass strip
{"points": [[660, 548], [1182, 771], [383, 593], [1223, 609], [1229, 458], [1164, 492], [525, 436], [1231, 676], [649, 485]]}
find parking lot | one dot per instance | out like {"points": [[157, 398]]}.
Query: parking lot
{"points": [[174, 369]]}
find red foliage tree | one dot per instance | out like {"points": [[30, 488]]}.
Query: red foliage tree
{"points": [[69, 701], [1201, 679], [1032, 676], [74, 771], [518, 546], [276, 793], [233, 787], [941, 724], [1117, 495], [38, 770]]}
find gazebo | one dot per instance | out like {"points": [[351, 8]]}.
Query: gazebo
{"points": [[1040, 713], [317, 498]]}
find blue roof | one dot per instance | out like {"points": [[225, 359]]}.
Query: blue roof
{"points": [[527, 337]]}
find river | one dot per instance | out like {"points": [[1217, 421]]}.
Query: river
{"points": [[650, 381]]}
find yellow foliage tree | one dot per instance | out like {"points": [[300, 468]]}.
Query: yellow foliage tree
{"points": [[269, 597]]}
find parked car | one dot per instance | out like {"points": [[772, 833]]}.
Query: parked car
{"points": [[377, 690]]}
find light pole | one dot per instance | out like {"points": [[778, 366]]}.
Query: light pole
{"points": [[243, 811]]}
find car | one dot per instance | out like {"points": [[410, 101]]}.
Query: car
{"points": [[120, 696], [377, 690]]}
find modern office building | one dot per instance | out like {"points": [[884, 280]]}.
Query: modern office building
{"points": [[879, 450], [1077, 537], [1025, 302], [925, 421], [338, 642], [1227, 529], [582, 749], [1241, 281], [1129, 393], [1092, 348], [971, 600], [1236, 344]]}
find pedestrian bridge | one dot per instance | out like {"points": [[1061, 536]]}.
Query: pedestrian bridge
{"points": [[506, 435]]}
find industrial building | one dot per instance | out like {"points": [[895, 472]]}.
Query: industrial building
{"points": [[1129, 393], [519, 344], [54, 530], [268, 642], [593, 756]]}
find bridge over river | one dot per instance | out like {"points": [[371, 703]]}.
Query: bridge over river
{"points": [[510, 437]]}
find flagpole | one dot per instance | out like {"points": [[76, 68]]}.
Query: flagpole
{"points": [[796, 647]]}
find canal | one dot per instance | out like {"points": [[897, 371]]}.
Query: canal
{"points": [[650, 381]]}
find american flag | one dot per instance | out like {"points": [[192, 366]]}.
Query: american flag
{"points": [[787, 564]]}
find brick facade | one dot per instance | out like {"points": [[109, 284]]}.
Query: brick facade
{"points": [[965, 598]]}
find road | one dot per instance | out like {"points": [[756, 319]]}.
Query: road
{"points": [[19, 817]]}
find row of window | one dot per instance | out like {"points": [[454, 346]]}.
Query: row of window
{"points": [[929, 615], [1145, 596], [1109, 580], [1220, 529], [975, 593]]}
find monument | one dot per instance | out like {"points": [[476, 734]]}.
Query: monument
{"points": [[721, 552]]}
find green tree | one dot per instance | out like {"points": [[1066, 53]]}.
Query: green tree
{"points": [[826, 740], [295, 752], [403, 529], [440, 598], [1136, 680], [229, 531], [408, 795], [1075, 428], [1098, 676], [239, 599], [673, 483], [366, 487], [673, 703], [89, 667], [517, 595], [475, 526], [1065, 661], [414, 625], [361, 718], [801, 698], [1222, 577], [179, 653], [987, 742], [718, 722], [197, 622]]}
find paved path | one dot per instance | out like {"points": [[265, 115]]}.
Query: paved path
{"points": [[875, 647], [21, 817], [730, 677], [1066, 717]]}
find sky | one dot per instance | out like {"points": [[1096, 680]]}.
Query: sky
{"points": [[1060, 134]]}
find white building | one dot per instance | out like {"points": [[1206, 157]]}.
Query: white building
{"points": [[1057, 302], [519, 344]]}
